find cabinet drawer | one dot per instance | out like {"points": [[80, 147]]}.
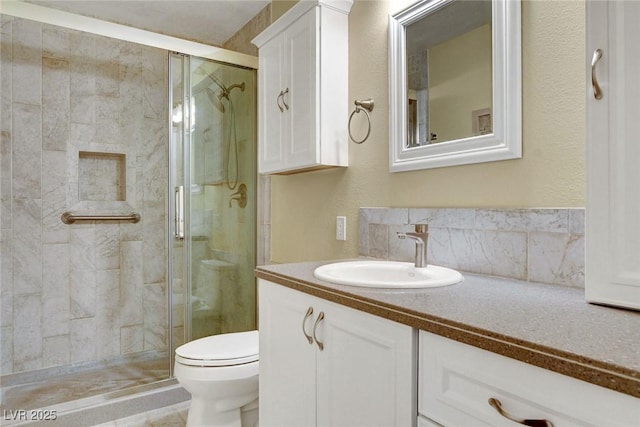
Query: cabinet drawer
{"points": [[456, 382]]}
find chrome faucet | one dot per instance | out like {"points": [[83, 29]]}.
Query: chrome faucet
{"points": [[420, 236]]}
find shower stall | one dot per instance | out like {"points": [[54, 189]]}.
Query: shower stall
{"points": [[104, 129]]}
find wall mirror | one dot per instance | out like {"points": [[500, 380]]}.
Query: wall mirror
{"points": [[454, 83]]}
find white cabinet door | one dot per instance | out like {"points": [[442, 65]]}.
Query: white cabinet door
{"points": [[365, 372], [363, 376], [302, 97], [287, 359], [271, 80], [613, 155]]}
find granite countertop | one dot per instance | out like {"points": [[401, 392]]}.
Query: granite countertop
{"points": [[545, 325]]}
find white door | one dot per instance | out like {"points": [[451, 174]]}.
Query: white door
{"points": [[613, 154], [365, 371], [287, 359]]}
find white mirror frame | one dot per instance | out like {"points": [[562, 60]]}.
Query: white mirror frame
{"points": [[506, 140]]}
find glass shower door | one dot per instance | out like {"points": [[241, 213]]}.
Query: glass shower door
{"points": [[214, 185]]}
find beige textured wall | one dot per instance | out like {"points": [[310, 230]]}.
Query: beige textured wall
{"points": [[551, 173]]}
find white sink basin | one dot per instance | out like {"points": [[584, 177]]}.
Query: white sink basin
{"points": [[387, 274]]}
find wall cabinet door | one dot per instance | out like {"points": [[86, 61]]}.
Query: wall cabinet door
{"points": [[303, 84], [272, 121], [612, 273], [364, 375]]}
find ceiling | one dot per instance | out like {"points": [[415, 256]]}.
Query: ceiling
{"points": [[210, 22]]}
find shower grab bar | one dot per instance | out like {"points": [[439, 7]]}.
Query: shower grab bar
{"points": [[69, 218]]}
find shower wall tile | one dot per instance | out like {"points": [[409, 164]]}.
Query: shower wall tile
{"points": [[80, 288], [55, 351], [6, 53], [26, 247], [83, 294], [131, 279], [154, 81], [154, 233], [54, 197], [107, 115], [6, 276], [26, 61], [155, 321], [55, 289], [108, 247], [55, 104], [108, 314], [57, 311], [82, 250], [131, 339], [6, 350], [155, 160], [82, 340], [27, 334], [55, 43], [537, 245], [27, 146], [5, 179], [108, 73]]}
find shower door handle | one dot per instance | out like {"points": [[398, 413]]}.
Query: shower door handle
{"points": [[179, 212]]}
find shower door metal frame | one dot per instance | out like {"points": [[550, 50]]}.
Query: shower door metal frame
{"points": [[172, 203]]}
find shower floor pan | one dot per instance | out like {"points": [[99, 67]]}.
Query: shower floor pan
{"points": [[60, 387]]}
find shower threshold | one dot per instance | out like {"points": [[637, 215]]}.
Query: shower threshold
{"points": [[69, 387]]}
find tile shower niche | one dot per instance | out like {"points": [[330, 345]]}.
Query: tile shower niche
{"points": [[101, 176]]}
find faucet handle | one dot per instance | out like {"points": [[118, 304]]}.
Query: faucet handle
{"points": [[421, 228]]}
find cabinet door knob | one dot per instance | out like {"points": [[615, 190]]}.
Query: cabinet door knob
{"points": [[304, 322], [597, 91], [315, 326], [495, 403]]}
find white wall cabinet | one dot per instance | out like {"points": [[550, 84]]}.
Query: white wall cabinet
{"points": [[612, 272], [364, 375], [303, 88], [456, 382]]}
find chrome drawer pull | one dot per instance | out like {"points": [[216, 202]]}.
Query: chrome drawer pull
{"points": [[304, 322], [315, 326], [533, 423]]}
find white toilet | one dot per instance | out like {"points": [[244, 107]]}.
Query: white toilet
{"points": [[221, 373]]}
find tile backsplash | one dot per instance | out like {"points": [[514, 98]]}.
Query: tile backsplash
{"points": [[537, 245]]}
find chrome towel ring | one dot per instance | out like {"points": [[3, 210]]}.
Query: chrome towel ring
{"points": [[365, 105]]}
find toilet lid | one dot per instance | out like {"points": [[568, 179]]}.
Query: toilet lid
{"points": [[220, 350]]}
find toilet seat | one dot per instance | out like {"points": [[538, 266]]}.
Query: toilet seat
{"points": [[220, 350]]}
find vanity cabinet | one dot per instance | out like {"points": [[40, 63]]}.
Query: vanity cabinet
{"points": [[612, 270], [329, 365], [303, 88], [457, 381]]}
